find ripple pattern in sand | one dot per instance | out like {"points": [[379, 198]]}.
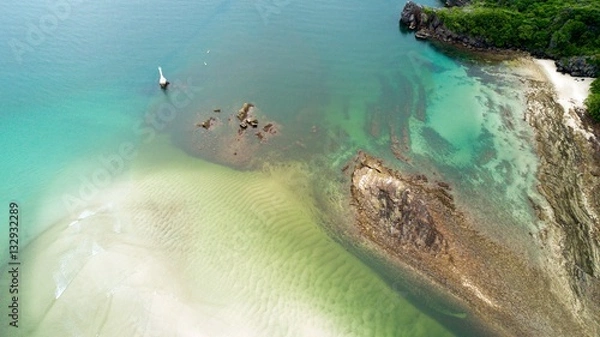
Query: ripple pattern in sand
{"points": [[203, 250]]}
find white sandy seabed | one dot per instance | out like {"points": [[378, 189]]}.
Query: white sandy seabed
{"points": [[195, 249]]}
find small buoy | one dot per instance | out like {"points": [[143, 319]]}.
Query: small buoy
{"points": [[162, 81]]}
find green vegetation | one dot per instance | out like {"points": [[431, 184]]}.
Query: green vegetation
{"points": [[549, 28], [555, 28], [593, 101]]}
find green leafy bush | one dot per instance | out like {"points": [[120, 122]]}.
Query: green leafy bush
{"points": [[595, 86], [592, 102], [550, 28]]}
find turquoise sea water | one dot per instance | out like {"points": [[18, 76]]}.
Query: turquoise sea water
{"points": [[80, 94]]}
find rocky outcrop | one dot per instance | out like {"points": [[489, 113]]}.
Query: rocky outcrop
{"points": [[401, 210], [581, 66], [428, 25], [456, 3], [245, 116], [411, 16], [207, 124], [569, 173], [415, 225]]}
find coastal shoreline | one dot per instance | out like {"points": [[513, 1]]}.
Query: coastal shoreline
{"points": [[562, 291], [571, 93], [569, 180]]}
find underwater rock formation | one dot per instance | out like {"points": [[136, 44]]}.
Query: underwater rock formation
{"points": [[229, 141], [207, 124]]}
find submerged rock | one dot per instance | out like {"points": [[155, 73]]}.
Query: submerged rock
{"points": [[207, 124], [267, 132], [270, 128]]}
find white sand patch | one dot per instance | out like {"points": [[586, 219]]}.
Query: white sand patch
{"points": [[193, 249], [571, 93]]}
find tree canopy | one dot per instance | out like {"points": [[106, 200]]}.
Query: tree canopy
{"points": [[549, 28], [592, 102]]}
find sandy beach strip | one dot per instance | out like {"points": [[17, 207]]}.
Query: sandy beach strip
{"points": [[570, 91]]}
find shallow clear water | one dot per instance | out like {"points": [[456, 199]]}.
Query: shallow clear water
{"points": [[79, 96]]}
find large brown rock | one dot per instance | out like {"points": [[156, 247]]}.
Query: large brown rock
{"points": [[415, 225], [400, 209]]}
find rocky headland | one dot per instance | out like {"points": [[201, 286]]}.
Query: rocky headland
{"points": [[429, 25], [414, 224], [569, 179], [569, 173]]}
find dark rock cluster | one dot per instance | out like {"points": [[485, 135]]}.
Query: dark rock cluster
{"points": [[456, 3], [267, 131], [245, 117], [580, 66], [430, 26]]}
